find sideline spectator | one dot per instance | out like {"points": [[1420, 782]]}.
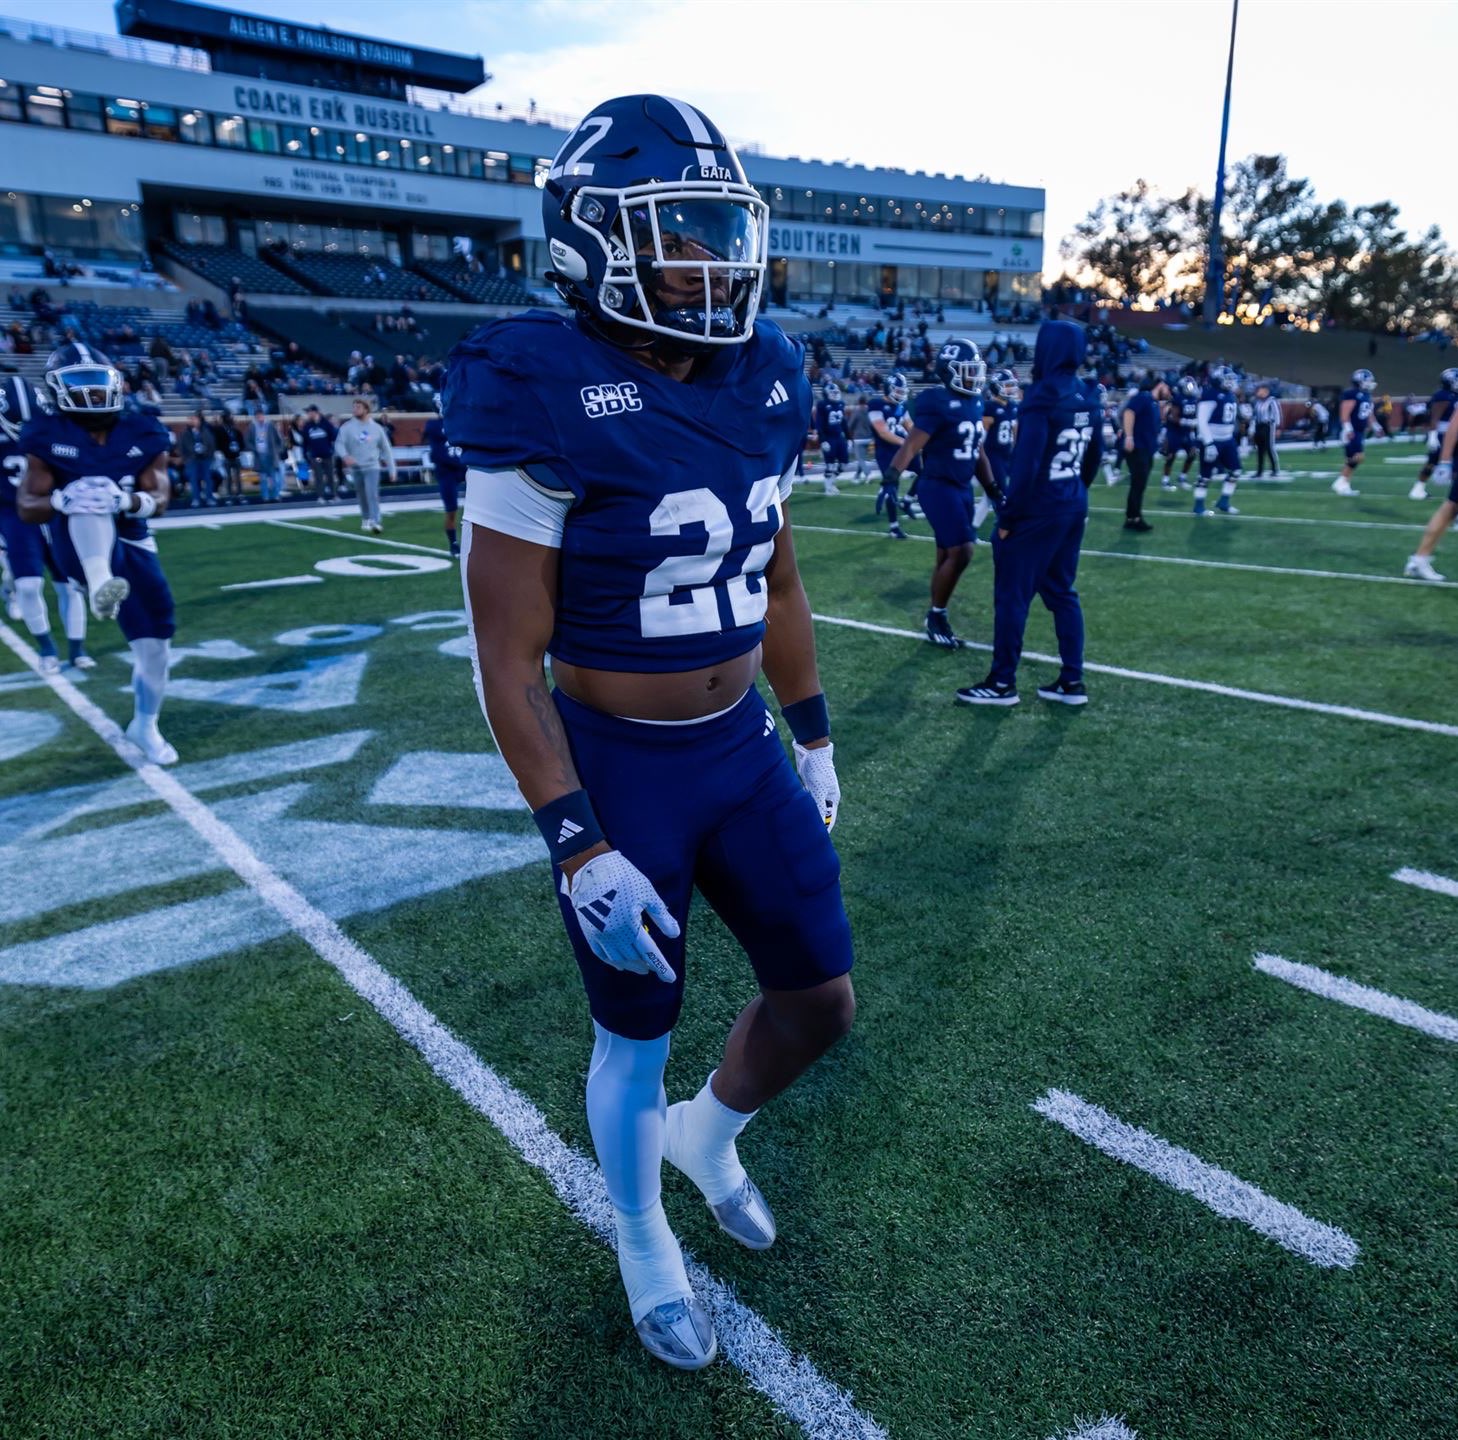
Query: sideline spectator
{"points": [[197, 447], [365, 449], [268, 455], [316, 435], [228, 457], [1267, 422], [1141, 435]]}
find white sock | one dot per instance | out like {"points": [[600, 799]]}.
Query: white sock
{"points": [[30, 595], [73, 609], [700, 1142], [1228, 489], [1200, 490], [149, 680], [649, 1260], [93, 538]]}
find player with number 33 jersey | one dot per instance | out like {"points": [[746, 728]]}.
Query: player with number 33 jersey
{"points": [[628, 469]]}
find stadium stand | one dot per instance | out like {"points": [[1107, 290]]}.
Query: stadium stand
{"points": [[221, 264], [357, 277], [476, 285]]}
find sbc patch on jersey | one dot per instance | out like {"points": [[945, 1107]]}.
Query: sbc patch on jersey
{"points": [[610, 399]]}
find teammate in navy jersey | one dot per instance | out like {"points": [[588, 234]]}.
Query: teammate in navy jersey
{"points": [[26, 549], [1181, 424], [1355, 414], [1420, 564], [1000, 418], [1219, 451], [95, 474], [889, 422], [1041, 519], [947, 432], [450, 476], [830, 426], [628, 466], [1440, 414]]}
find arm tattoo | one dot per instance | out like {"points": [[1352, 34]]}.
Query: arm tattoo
{"points": [[549, 726]]}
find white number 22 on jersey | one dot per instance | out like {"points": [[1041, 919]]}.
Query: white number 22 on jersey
{"points": [[1068, 459], [658, 614]]}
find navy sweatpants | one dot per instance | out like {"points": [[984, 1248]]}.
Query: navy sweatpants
{"points": [[1039, 557]]}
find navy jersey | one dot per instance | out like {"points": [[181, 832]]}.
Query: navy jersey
{"points": [[72, 452], [12, 471], [829, 419], [1000, 435], [1188, 412], [1361, 416], [1220, 421], [445, 458], [954, 423], [1440, 409], [674, 487], [892, 414]]}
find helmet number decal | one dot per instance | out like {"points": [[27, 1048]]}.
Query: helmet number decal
{"points": [[592, 130]]}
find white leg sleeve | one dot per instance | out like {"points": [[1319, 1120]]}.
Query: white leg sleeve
{"points": [[73, 609], [30, 593], [94, 538], [149, 677]]}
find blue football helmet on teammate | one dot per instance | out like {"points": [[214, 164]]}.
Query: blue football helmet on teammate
{"points": [[1003, 385], [19, 403], [644, 198], [896, 387], [832, 392], [1190, 388], [1449, 378], [1364, 380], [84, 383], [961, 368]]}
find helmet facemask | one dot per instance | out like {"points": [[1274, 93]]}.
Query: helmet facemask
{"points": [[87, 392]]}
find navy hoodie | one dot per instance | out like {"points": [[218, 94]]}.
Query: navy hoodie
{"points": [[1059, 440]]}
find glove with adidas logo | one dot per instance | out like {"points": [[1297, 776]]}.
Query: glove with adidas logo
{"points": [[89, 495], [611, 897], [817, 775]]}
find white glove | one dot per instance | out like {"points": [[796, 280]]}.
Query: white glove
{"points": [[817, 775], [1212, 453], [611, 896], [89, 495], [1347, 433], [1443, 473]]}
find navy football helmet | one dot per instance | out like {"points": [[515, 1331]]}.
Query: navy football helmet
{"points": [[1364, 380], [18, 403], [961, 368], [832, 392], [652, 225], [896, 387], [1003, 385], [83, 381], [1189, 388], [1449, 378]]}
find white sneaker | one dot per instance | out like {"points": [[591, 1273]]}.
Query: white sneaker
{"points": [[108, 597], [831, 490], [50, 664], [84, 662], [1343, 486], [148, 739], [1419, 567], [1419, 491]]}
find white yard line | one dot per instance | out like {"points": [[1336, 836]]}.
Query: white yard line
{"points": [[1359, 997], [1226, 1194], [1288, 702], [1110, 1427], [1427, 880], [274, 584], [789, 1381], [346, 537], [223, 518], [1185, 560]]}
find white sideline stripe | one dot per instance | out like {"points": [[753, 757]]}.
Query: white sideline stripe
{"points": [[1226, 1194], [1426, 880], [1109, 1427], [1260, 697], [274, 584], [344, 510], [345, 537], [789, 1381], [1359, 997], [1186, 560]]}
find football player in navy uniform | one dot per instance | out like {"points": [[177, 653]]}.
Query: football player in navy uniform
{"points": [[26, 548], [627, 470], [1041, 519], [947, 432], [95, 474], [1355, 414], [1000, 417], [450, 476], [1219, 451], [1420, 564], [888, 423], [1181, 422], [830, 426], [1440, 414]]}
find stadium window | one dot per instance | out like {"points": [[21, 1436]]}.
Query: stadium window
{"points": [[387, 155], [10, 107], [195, 127], [44, 106], [523, 170], [322, 143], [263, 137], [1035, 222], [123, 117], [159, 122], [83, 112], [494, 164], [231, 132], [296, 139]]}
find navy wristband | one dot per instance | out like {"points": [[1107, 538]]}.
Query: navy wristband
{"points": [[568, 825], [808, 719]]}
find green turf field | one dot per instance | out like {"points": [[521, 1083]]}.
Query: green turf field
{"points": [[234, 1202]]}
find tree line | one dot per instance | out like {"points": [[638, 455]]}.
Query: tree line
{"points": [[1355, 267]]}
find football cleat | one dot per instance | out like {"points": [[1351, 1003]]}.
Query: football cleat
{"points": [[148, 739], [1343, 486], [897, 533], [1225, 507], [680, 1334], [1064, 692], [1419, 567], [108, 597], [988, 693], [831, 489], [939, 631], [50, 664], [84, 662], [1200, 508], [746, 1217], [1419, 491], [1167, 484]]}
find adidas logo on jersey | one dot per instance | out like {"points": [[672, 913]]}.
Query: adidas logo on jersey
{"points": [[610, 399], [135, 453], [568, 830], [778, 396], [769, 723]]}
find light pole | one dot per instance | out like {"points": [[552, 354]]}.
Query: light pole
{"points": [[1215, 270]]}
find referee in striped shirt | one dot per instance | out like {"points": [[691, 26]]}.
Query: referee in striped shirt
{"points": [[1267, 421]]}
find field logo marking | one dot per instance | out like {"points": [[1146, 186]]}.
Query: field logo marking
{"points": [[790, 1382], [1109, 1427], [22, 731], [1226, 1194], [375, 567], [1427, 880], [1359, 997]]}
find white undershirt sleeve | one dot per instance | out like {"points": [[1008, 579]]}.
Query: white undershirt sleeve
{"points": [[509, 502]]}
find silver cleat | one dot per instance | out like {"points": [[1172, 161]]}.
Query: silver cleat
{"points": [[746, 1217], [108, 597], [680, 1334]]}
